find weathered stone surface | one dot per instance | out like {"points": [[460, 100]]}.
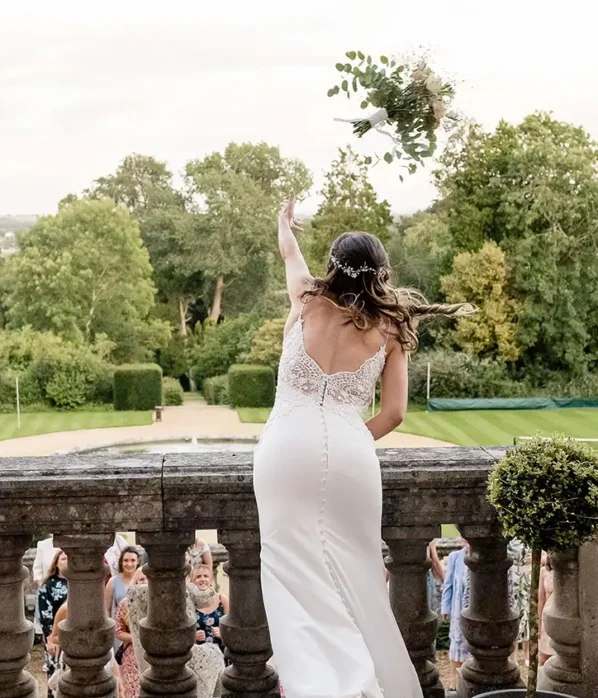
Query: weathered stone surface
{"points": [[408, 565], [422, 486], [168, 632], [68, 494], [245, 629], [562, 672], [489, 623], [87, 498], [16, 633], [86, 636]]}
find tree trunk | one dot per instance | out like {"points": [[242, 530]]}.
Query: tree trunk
{"points": [[183, 308], [217, 304], [532, 680]]}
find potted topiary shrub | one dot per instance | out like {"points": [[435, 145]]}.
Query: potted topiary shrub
{"points": [[545, 492]]}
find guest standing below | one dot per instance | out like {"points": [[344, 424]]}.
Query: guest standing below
{"points": [[455, 597], [54, 648], [209, 615], [519, 592], [116, 589], [435, 578], [129, 669], [545, 601], [199, 554], [51, 596]]}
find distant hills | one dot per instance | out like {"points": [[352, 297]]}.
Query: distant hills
{"points": [[15, 223]]}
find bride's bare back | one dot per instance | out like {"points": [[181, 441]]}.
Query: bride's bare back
{"points": [[333, 342]]}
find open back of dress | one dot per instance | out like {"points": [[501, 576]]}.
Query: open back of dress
{"points": [[318, 488]]}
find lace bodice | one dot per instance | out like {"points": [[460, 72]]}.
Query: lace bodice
{"points": [[301, 381]]}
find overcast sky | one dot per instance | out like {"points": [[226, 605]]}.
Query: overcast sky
{"points": [[83, 84]]}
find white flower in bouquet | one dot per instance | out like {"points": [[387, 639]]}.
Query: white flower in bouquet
{"points": [[439, 111], [433, 84]]}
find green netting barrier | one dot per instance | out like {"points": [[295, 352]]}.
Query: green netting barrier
{"points": [[523, 403]]}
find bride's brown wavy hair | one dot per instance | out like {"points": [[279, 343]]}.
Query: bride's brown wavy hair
{"points": [[369, 296]]}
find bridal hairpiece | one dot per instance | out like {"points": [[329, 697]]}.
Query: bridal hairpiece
{"points": [[352, 271]]}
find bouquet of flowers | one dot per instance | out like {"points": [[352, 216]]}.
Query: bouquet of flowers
{"points": [[410, 99]]}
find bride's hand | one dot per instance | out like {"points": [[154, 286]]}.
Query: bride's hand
{"points": [[287, 213]]}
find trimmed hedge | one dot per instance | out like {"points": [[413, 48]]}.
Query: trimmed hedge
{"points": [[137, 387], [251, 386], [172, 392], [221, 347], [215, 390]]}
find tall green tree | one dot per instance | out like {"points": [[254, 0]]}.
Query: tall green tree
{"points": [[349, 203], [481, 278], [83, 273], [422, 253], [170, 230], [533, 190], [238, 194]]}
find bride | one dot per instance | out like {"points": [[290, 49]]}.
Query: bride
{"points": [[317, 477]]}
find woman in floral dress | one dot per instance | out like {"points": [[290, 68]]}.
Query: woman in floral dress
{"points": [[129, 670], [50, 597]]}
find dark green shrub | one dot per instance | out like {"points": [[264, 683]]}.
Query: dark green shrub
{"points": [[29, 390], [215, 390], [545, 493], [222, 344], [65, 374], [172, 392], [459, 375], [251, 386], [173, 358], [137, 387], [266, 344]]}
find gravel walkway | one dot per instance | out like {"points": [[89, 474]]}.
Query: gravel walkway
{"points": [[194, 419]]}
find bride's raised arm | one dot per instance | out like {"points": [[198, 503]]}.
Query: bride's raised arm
{"points": [[297, 273]]}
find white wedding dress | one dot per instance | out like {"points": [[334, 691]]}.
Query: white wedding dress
{"points": [[318, 488]]}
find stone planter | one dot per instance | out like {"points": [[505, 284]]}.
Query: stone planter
{"points": [[520, 693]]}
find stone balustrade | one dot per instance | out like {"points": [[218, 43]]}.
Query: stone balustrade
{"points": [[83, 500]]}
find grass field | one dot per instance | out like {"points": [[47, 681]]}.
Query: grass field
{"points": [[33, 423], [483, 427]]}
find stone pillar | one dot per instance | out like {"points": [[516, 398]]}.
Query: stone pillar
{"points": [[168, 633], [562, 672], [219, 557], [489, 624], [87, 635], [588, 613], [408, 564], [16, 633], [245, 630]]}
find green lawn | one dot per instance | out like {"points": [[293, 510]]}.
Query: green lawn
{"points": [[47, 422], [483, 427]]}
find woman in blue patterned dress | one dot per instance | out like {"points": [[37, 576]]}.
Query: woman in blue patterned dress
{"points": [[51, 596], [455, 597], [208, 617]]}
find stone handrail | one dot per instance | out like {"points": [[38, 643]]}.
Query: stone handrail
{"points": [[83, 500]]}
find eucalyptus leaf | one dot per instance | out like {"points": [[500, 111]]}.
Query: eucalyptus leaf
{"points": [[351, 54]]}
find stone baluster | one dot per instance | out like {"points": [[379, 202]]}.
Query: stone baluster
{"points": [[562, 672], [219, 557], [489, 623], [87, 635], [16, 633], [408, 564], [245, 629], [168, 632]]}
